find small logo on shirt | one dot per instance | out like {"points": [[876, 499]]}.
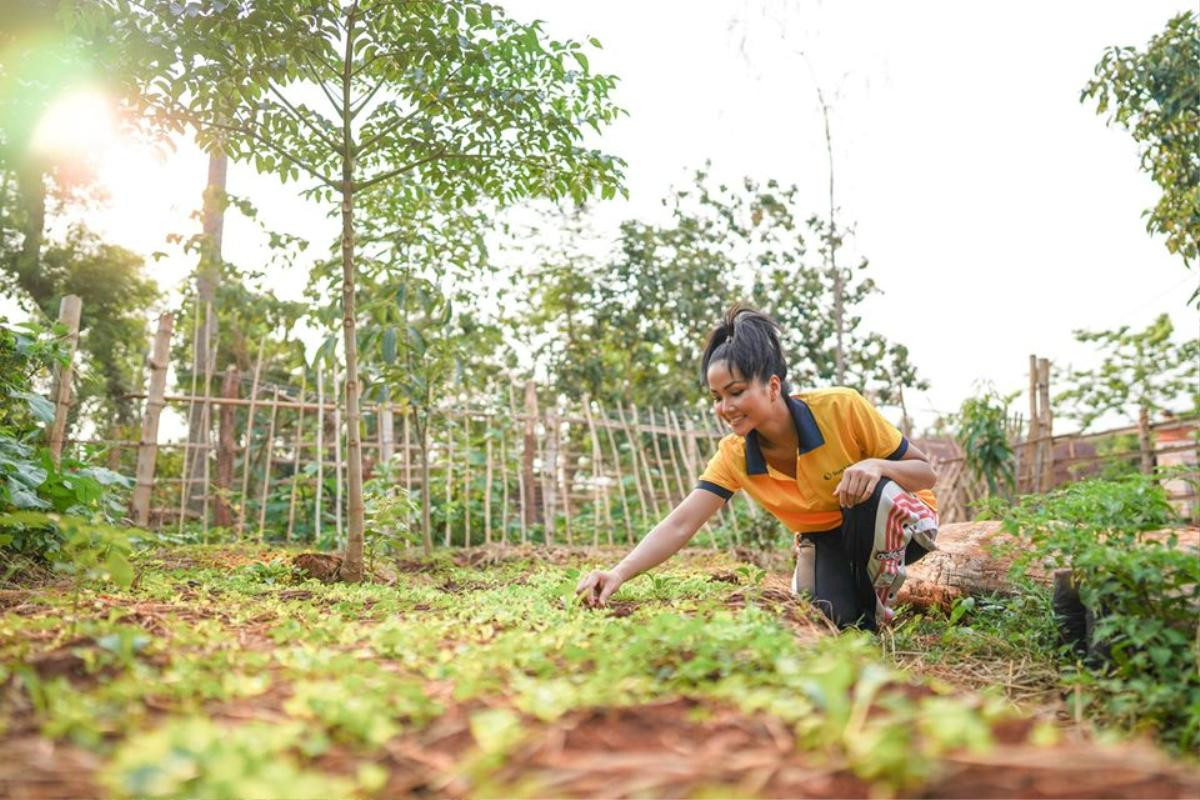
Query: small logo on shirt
{"points": [[831, 475]]}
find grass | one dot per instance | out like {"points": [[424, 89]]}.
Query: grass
{"points": [[220, 674]]}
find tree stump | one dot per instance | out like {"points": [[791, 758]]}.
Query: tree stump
{"points": [[975, 558]]}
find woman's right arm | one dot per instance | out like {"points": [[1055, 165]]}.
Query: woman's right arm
{"points": [[660, 544]]}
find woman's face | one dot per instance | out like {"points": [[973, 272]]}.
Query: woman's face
{"points": [[742, 404]]}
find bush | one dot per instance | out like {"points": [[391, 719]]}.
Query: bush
{"points": [[1143, 593], [30, 481]]}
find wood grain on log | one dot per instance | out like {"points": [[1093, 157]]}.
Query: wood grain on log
{"points": [[971, 559]]}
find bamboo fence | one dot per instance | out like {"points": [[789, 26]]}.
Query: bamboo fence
{"points": [[270, 464]]}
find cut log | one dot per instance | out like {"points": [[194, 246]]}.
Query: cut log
{"points": [[971, 559]]}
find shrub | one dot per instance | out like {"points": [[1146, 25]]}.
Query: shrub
{"points": [[30, 480], [1143, 593]]}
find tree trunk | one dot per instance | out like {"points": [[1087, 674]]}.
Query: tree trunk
{"points": [[1145, 447], [208, 277], [226, 446], [31, 191], [352, 567], [839, 284]]}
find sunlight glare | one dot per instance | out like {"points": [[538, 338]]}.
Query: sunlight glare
{"points": [[77, 127]]}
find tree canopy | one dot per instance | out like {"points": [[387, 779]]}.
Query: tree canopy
{"points": [[1155, 94]]}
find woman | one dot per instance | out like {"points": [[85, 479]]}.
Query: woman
{"points": [[851, 488]]}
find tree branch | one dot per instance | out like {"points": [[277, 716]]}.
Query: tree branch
{"points": [[365, 185], [303, 118], [250, 132], [354, 112], [312, 71], [391, 126]]}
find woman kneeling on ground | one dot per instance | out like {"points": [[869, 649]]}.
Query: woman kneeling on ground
{"points": [[852, 489]]}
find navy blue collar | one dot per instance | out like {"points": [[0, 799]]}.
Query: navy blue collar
{"points": [[806, 431]]}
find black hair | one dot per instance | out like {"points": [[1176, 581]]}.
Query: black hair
{"points": [[749, 340]]}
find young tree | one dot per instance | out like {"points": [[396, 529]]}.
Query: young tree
{"points": [[1155, 95], [424, 278], [455, 99], [1142, 370], [982, 429]]}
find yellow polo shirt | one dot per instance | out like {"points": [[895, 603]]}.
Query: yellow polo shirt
{"points": [[837, 428]]}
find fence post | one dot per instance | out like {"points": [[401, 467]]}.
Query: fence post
{"points": [[268, 463], [296, 453], [226, 449], [241, 523], [1046, 424], [1033, 448], [597, 474], [148, 446], [550, 477], [387, 428], [69, 312], [318, 498], [528, 450]]}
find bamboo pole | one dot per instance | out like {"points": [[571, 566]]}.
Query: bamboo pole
{"points": [[249, 441], [266, 481], [663, 462], [549, 468], [206, 421], [226, 451], [320, 452], [616, 457], [730, 511], [531, 446], [685, 455], [1035, 434], [487, 496], [186, 475], [504, 516], [521, 491], [466, 480], [407, 468], [597, 471], [387, 427], [160, 360], [449, 476], [650, 501], [337, 458], [1046, 424], [673, 447], [562, 471], [69, 311], [299, 439], [686, 443], [664, 478]]}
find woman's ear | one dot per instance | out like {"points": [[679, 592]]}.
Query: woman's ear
{"points": [[774, 387]]}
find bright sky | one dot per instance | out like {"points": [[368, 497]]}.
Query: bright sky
{"points": [[998, 212]]}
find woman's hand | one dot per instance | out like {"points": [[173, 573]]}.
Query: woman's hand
{"points": [[858, 483], [597, 586]]}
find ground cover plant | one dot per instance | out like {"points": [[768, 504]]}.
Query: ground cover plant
{"points": [[220, 672]]}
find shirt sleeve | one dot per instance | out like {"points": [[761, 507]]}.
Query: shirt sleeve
{"points": [[877, 437], [719, 478]]}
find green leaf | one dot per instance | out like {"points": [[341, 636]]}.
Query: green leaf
{"points": [[41, 408], [389, 345], [119, 569]]}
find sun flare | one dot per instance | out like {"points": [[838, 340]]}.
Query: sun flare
{"points": [[78, 126]]}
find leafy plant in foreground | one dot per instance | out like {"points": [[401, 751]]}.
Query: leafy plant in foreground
{"points": [[1144, 593], [62, 498]]}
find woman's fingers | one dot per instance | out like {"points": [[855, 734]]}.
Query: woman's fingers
{"points": [[606, 592], [587, 582]]}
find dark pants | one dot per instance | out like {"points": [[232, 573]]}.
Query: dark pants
{"points": [[854, 572]]}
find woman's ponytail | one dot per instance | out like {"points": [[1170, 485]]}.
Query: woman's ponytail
{"points": [[748, 340]]}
